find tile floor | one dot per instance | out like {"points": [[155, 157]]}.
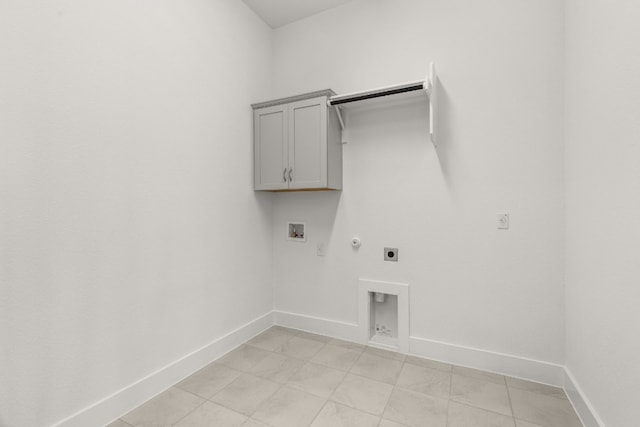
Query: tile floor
{"points": [[288, 378]]}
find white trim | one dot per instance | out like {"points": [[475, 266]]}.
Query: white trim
{"points": [[504, 364], [500, 363], [115, 405], [318, 325], [581, 404], [490, 361]]}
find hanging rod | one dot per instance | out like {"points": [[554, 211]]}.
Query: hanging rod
{"points": [[376, 93], [427, 86]]}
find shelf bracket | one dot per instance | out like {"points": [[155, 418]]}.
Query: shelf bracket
{"points": [[339, 112], [342, 119], [430, 87]]}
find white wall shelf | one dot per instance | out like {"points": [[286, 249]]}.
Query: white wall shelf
{"points": [[427, 87]]}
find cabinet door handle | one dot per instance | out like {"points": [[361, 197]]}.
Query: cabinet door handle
{"points": [[284, 175], [290, 172]]}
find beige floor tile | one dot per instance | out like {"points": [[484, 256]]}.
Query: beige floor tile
{"points": [[388, 423], [313, 337], [364, 394], [165, 409], [245, 393], [209, 380], [289, 408], [536, 387], [415, 409], [254, 423], [284, 329], [544, 410], [468, 416], [210, 414], [336, 357], [336, 415], [385, 353], [316, 379], [347, 344], [277, 367], [377, 368], [300, 348], [119, 423], [425, 380], [243, 358], [271, 339], [520, 423], [428, 363], [480, 393], [283, 378], [480, 375]]}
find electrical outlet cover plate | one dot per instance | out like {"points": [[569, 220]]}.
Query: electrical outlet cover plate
{"points": [[321, 249], [502, 221], [391, 254]]}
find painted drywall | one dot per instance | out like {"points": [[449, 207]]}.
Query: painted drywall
{"points": [[130, 235], [603, 205], [277, 13], [500, 150]]}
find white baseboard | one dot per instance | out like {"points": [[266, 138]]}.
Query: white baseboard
{"points": [[581, 404], [317, 325], [505, 364], [486, 360], [111, 407]]}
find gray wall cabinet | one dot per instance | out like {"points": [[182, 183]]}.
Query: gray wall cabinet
{"points": [[297, 144]]}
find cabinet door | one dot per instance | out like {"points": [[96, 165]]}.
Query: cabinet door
{"points": [[271, 161], [308, 143]]}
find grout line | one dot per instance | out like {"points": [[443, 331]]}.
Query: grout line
{"points": [[382, 353], [320, 410], [540, 393], [513, 415], [262, 403], [192, 411], [468, 405], [360, 353], [246, 372], [449, 398], [386, 405]]}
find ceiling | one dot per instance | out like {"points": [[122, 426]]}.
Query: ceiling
{"points": [[277, 13]]}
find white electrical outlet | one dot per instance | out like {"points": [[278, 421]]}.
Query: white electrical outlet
{"points": [[502, 221]]}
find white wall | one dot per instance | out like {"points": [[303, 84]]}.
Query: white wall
{"points": [[129, 231], [501, 150], [603, 205], [127, 219]]}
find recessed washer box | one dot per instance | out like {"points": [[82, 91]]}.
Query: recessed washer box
{"points": [[384, 323]]}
